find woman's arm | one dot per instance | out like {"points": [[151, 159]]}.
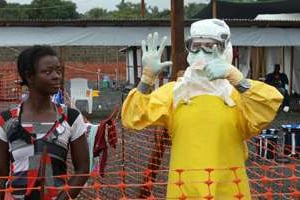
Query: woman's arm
{"points": [[80, 159], [4, 166]]}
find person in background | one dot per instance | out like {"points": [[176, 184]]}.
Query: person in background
{"points": [[24, 93], [36, 135], [280, 81], [209, 112]]}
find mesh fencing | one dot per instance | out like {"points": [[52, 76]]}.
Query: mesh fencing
{"points": [[10, 89], [138, 169]]}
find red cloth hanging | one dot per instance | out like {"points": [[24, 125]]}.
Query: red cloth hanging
{"points": [[107, 126]]}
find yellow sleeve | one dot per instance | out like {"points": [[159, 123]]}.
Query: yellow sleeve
{"points": [[257, 106], [141, 110]]}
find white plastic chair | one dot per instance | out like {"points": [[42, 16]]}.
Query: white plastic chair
{"points": [[80, 91]]}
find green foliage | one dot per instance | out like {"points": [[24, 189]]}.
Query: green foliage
{"points": [[39, 9], [193, 9], [14, 11], [2, 3], [127, 10], [97, 13], [63, 9], [154, 13], [53, 9]]}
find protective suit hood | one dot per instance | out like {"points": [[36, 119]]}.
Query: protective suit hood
{"points": [[194, 81], [214, 29]]}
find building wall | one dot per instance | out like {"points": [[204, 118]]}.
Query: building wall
{"points": [[101, 54], [92, 63], [82, 62]]}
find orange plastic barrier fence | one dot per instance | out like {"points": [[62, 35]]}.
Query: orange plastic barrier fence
{"points": [[138, 169], [10, 89]]}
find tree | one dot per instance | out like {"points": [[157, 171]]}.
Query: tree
{"points": [[156, 14], [128, 10], [53, 9], [14, 11], [97, 13], [192, 9], [2, 3]]}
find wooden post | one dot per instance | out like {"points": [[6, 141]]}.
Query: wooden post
{"points": [[291, 70], [161, 137], [143, 7], [178, 57], [135, 65], [214, 8], [283, 59], [42, 172], [62, 53], [178, 54], [118, 76]]}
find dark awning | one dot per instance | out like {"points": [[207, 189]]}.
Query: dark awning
{"points": [[234, 10]]}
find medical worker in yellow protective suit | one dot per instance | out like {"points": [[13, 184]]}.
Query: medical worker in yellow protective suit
{"points": [[209, 114]]}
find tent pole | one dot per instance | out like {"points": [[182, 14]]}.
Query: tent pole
{"points": [[178, 54], [214, 8], [292, 69], [143, 8], [283, 59], [135, 65], [62, 52]]}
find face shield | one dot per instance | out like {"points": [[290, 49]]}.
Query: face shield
{"points": [[205, 35], [196, 44]]}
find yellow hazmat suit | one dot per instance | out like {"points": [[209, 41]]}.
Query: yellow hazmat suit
{"points": [[208, 150]]}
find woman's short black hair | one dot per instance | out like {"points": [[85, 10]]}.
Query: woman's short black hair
{"points": [[29, 58]]}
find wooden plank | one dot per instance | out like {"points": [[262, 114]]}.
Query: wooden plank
{"points": [[178, 53]]}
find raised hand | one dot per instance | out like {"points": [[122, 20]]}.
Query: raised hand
{"points": [[217, 68], [151, 58]]}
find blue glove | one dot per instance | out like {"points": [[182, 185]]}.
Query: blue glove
{"points": [[219, 68], [58, 97]]}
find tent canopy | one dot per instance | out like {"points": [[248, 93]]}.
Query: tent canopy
{"points": [[249, 10]]}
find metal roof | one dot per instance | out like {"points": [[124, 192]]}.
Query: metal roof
{"points": [[279, 17], [132, 36], [140, 23]]}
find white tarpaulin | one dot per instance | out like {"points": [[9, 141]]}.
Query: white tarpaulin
{"points": [[132, 36], [273, 56], [276, 55], [244, 60], [296, 72]]}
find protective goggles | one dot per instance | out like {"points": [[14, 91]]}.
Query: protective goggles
{"points": [[196, 44]]}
